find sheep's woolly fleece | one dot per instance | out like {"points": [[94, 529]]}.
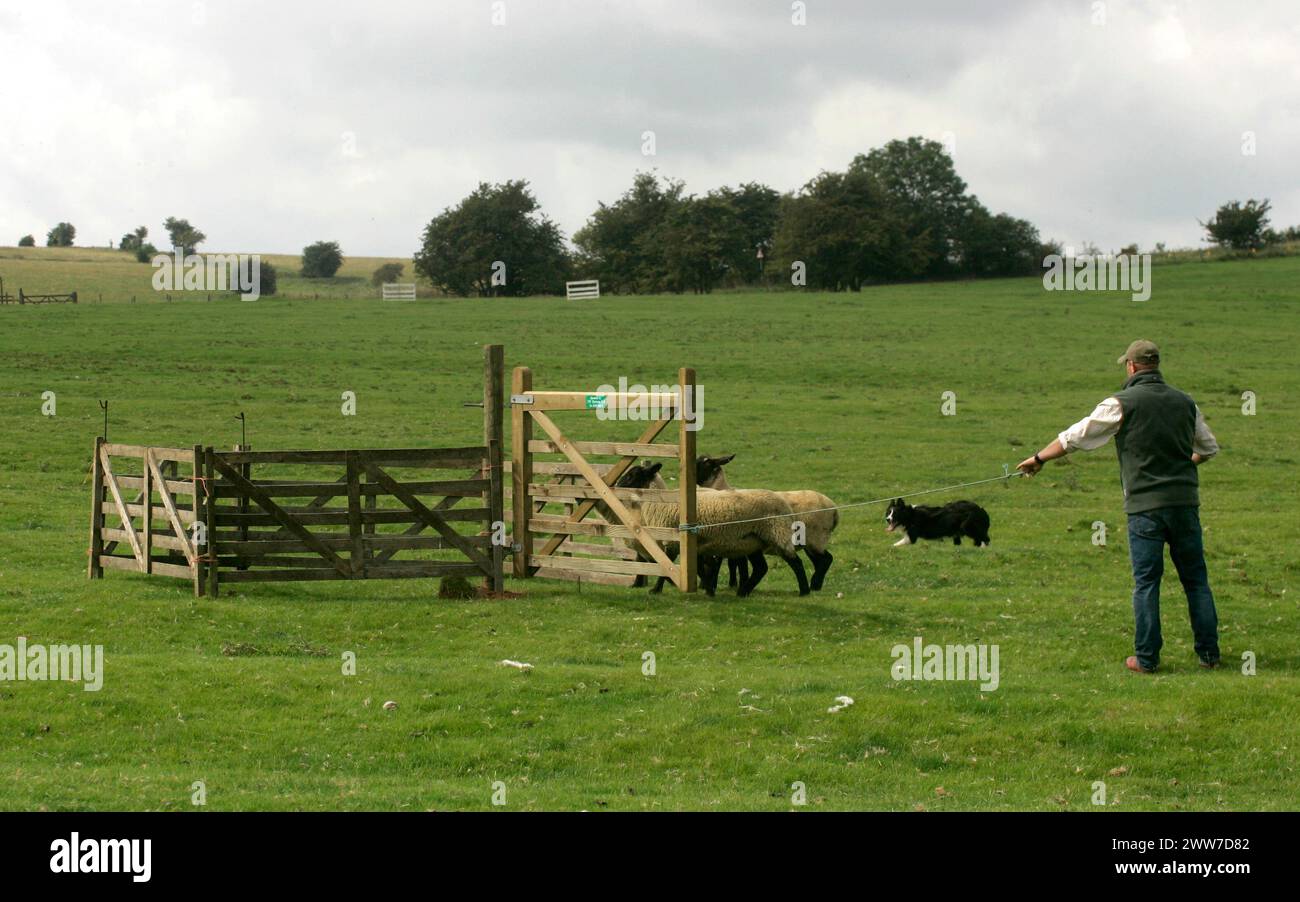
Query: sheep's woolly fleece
{"points": [[767, 529]]}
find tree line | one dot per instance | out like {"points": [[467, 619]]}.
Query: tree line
{"points": [[897, 213]]}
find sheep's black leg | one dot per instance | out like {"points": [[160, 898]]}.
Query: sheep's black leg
{"points": [[659, 586], [737, 571], [757, 570], [956, 540], [710, 568], [821, 561], [796, 564]]}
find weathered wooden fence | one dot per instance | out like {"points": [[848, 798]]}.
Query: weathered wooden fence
{"points": [[384, 503], [256, 516], [349, 514], [577, 485], [142, 503]]}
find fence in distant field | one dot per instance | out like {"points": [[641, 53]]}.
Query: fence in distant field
{"points": [[23, 298], [399, 291], [578, 291]]}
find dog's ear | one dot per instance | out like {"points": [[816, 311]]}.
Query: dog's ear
{"points": [[726, 459], [654, 468]]}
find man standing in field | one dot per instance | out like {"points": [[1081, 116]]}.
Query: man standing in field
{"points": [[1161, 438]]}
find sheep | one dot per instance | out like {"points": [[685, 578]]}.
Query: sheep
{"points": [[767, 532], [818, 522]]}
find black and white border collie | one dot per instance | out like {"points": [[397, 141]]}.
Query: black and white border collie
{"points": [[960, 518]]}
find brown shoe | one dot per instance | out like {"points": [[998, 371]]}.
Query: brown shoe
{"points": [[1209, 665], [1132, 664]]}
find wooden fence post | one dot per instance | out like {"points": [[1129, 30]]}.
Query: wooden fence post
{"points": [[357, 556], [200, 516], [521, 472], [686, 477], [210, 511], [146, 496], [246, 471], [494, 438], [94, 570]]}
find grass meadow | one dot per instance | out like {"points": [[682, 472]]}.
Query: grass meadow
{"points": [[837, 392]]}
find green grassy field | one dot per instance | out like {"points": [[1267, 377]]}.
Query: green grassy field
{"points": [[840, 393], [111, 276]]}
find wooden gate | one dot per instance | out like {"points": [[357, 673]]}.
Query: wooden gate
{"points": [[157, 523], [578, 484], [322, 526]]}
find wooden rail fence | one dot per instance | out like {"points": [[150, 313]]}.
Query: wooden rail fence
{"points": [[240, 523], [214, 517]]}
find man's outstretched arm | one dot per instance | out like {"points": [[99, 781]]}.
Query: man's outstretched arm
{"points": [[1091, 432]]}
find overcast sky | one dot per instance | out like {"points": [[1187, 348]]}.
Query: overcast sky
{"points": [[274, 124]]}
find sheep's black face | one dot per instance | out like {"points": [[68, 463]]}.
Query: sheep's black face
{"points": [[638, 476], [708, 469], [897, 516]]}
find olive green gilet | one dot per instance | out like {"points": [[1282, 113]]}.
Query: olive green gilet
{"points": [[1155, 444]]}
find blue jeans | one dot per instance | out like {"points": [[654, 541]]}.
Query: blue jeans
{"points": [[1148, 533]]}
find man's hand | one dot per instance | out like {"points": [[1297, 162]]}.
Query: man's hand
{"points": [[1031, 465], [1197, 459]]}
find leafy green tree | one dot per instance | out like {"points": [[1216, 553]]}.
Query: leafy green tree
{"points": [[1001, 245], [710, 241], [929, 196], [27, 241], [758, 210], [270, 278], [388, 272], [183, 235], [133, 241], [146, 252], [1239, 226], [623, 243], [494, 242], [1273, 236], [321, 260], [62, 235], [846, 230]]}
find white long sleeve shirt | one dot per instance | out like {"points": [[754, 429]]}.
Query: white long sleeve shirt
{"points": [[1097, 428]]}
